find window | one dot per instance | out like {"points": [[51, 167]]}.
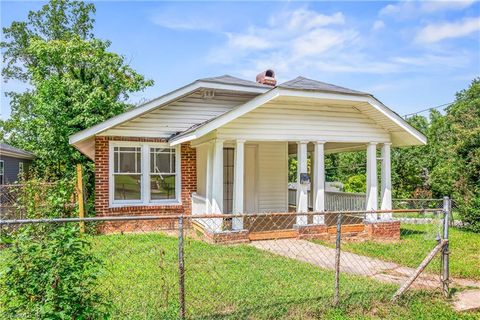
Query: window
{"points": [[127, 173], [162, 173], [144, 174], [20, 168], [1, 171]]}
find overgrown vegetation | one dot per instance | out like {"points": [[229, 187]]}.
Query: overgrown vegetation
{"points": [[50, 272]]}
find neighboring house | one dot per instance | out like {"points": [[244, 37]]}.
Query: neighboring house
{"points": [[220, 145], [13, 163]]}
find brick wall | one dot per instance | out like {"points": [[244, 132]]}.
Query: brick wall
{"points": [[189, 181], [388, 230]]}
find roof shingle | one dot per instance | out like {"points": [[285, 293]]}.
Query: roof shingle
{"points": [[11, 149], [228, 79], [303, 83]]}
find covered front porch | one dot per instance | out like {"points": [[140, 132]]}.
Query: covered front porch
{"points": [[238, 176]]}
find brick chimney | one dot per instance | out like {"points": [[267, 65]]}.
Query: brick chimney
{"points": [[267, 77]]}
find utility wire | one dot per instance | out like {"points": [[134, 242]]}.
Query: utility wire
{"points": [[428, 109]]}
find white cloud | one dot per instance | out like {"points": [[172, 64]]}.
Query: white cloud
{"points": [[247, 42], [457, 60], [175, 23], [308, 19], [402, 9], [319, 41], [433, 6], [411, 9], [308, 42], [448, 30], [288, 37], [377, 25]]}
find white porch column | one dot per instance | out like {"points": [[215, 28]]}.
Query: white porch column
{"points": [[302, 189], [208, 176], [217, 177], [386, 182], [237, 223], [318, 191], [372, 189]]}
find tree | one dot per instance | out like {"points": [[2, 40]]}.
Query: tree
{"points": [[463, 118], [75, 82]]}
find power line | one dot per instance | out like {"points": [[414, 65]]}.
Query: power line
{"points": [[428, 109]]}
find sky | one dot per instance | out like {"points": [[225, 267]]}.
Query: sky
{"points": [[411, 55]]}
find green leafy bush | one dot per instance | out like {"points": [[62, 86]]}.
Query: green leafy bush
{"points": [[356, 183], [49, 272], [39, 198], [470, 213]]}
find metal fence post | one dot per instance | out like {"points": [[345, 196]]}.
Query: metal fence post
{"points": [[445, 252], [336, 297], [181, 267]]}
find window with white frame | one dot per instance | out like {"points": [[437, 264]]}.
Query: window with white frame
{"points": [[144, 174], [162, 173], [1, 171], [20, 168], [127, 173]]}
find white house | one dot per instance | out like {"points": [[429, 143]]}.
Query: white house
{"points": [[221, 145]]}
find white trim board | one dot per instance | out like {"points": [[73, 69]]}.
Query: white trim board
{"points": [[278, 92]]}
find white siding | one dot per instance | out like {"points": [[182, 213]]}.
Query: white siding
{"points": [[289, 121], [202, 154], [180, 115], [272, 177]]}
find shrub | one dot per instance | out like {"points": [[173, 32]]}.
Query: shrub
{"points": [[49, 272], [39, 198], [470, 213], [356, 183]]}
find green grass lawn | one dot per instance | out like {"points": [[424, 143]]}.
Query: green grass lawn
{"points": [[241, 282], [416, 241]]}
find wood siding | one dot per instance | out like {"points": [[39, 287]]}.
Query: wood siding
{"points": [[289, 121], [180, 115], [10, 165], [272, 184]]}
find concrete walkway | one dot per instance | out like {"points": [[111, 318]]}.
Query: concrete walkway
{"points": [[324, 257]]}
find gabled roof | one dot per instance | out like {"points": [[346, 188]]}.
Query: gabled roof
{"points": [[202, 129], [303, 83], [228, 79], [299, 87], [225, 82], [11, 151]]}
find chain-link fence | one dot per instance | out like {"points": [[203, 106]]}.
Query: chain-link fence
{"points": [[278, 265], [19, 201]]}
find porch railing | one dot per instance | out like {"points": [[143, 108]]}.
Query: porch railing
{"points": [[334, 200]]}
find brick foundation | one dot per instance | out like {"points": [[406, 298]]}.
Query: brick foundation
{"points": [[383, 230], [102, 208], [313, 231], [230, 237]]}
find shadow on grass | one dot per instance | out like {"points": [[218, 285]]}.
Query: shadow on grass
{"points": [[410, 232]]}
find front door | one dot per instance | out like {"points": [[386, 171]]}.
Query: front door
{"points": [[250, 177]]}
